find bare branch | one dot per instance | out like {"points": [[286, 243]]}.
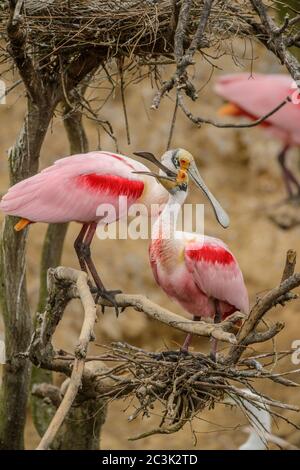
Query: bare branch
{"points": [[262, 306], [290, 264], [199, 120], [255, 337], [85, 337], [18, 52], [273, 39], [49, 392]]}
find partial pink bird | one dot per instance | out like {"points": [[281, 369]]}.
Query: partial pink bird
{"points": [[74, 189], [256, 95], [199, 272]]}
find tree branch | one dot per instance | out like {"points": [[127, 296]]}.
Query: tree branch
{"points": [[273, 38], [85, 337], [263, 305], [198, 120], [18, 52]]}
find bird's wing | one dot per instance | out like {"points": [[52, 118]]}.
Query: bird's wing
{"points": [[217, 273], [260, 94], [152, 259], [73, 188]]}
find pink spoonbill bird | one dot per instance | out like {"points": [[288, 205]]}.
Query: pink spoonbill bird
{"points": [[253, 97], [74, 188], [198, 272]]}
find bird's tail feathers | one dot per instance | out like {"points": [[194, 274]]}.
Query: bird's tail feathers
{"points": [[21, 224]]}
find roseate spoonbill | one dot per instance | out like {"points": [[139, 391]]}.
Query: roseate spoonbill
{"points": [[73, 188], [254, 97], [197, 271]]}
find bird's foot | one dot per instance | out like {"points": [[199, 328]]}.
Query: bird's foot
{"points": [[110, 296], [213, 356], [184, 351]]}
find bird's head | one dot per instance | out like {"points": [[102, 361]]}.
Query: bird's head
{"points": [[175, 184], [179, 159]]}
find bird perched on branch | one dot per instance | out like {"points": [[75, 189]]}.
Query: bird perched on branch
{"points": [[75, 187], [254, 97], [198, 272]]}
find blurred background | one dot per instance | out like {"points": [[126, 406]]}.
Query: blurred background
{"points": [[239, 166]]}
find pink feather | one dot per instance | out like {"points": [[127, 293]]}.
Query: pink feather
{"points": [[74, 187], [208, 271], [260, 94]]}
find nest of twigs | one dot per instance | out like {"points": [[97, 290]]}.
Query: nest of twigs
{"points": [[121, 28], [184, 384]]}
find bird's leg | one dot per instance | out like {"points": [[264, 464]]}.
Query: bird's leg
{"points": [[86, 251], [288, 177], [187, 342], [79, 248], [185, 347], [78, 244], [214, 341]]}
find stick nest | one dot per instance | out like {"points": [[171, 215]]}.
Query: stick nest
{"points": [[121, 28]]}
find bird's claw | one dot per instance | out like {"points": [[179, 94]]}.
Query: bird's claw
{"points": [[110, 296]]}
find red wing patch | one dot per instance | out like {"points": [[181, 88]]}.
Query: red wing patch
{"points": [[111, 184], [243, 112], [211, 254]]}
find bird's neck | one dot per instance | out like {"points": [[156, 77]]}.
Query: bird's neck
{"points": [[153, 196], [165, 225]]}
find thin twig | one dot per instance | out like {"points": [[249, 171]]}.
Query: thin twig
{"points": [[172, 124], [198, 120]]}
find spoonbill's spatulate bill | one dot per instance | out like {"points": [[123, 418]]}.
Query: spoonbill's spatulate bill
{"points": [[255, 96], [198, 272], [74, 188]]}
